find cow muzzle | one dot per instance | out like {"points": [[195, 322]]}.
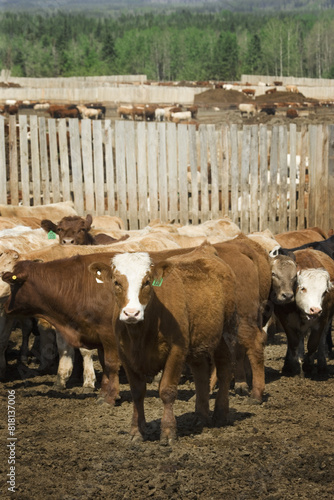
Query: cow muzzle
{"points": [[131, 316]]}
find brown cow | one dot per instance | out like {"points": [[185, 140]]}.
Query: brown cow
{"points": [[162, 326], [291, 239], [74, 230]]}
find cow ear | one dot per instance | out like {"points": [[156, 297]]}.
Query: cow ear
{"points": [[102, 272], [48, 226], [160, 271], [12, 278], [89, 220]]}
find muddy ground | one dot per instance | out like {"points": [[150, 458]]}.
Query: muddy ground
{"points": [[68, 446]]}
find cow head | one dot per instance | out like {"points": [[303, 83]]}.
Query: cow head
{"points": [[72, 230], [283, 279], [132, 277], [312, 287]]}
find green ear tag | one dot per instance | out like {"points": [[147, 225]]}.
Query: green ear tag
{"points": [[157, 282], [51, 235]]}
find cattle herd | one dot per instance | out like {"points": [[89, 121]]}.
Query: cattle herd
{"points": [[160, 299]]}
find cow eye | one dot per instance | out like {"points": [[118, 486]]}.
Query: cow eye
{"points": [[147, 283], [273, 275], [117, 284]]}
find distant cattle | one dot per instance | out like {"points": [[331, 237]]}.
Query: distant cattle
{"points": [[158, 327], [126, 111], [249, 92], [180, 116], [92, 113], [292, 113], [271, 91], [249, 109], [75, 230], [62, 111], [269, 110], [291, 88]]}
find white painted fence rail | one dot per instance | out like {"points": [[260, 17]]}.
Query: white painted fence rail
{"points": [[261, 178]]}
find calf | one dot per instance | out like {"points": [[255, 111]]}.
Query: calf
{"points": [[75, 230], [160, 323]]}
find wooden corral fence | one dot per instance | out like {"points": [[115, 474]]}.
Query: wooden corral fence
{"points": [[279, 178]]}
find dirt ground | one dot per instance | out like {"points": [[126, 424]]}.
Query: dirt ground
{"points": [[68, 446]]}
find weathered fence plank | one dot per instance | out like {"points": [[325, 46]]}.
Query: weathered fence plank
{"points": [[3, 166], [145, 171], [24, 159]]}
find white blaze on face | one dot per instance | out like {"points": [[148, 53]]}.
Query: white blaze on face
{"points": [[312, 284], [134, 266]]}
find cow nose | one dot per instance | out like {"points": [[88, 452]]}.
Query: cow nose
{"points": [[315, 311], [287, 296], [131, 315], [68, 241]]}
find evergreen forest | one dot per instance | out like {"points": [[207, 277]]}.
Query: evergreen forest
{"points": [[181, 44]]}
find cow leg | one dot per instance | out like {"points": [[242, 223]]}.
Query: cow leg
{"points": [[223, 362], [201, 370], [240, 379], [66, 360], [6, 325], [316, 342], [109, 360], [137, 384], [89, 377], [48, 352], [168, 392], [253, 340], [26, 328]]}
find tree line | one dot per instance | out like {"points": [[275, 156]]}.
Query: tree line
{"points": [[173, 46]]}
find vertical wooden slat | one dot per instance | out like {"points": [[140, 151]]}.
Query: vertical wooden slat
{"points": [[293, 177], [323, 205], [54, 164], [152, 171], [120, 171], [77, 184], [162, 172], [312, 171], [234, 215], [194, 209], [131, 175], [273, 225], [98, 167], [182, 137], [212, 143], [87, 164], [225, 168], [203, 143], [254, 180], [142, 175], [331, 172], [36, 183], [172, 166], [64, 160], [302, 210], [244, 179], [13, 166], [3, 170], [263, 190], [24, 163], [45, 177], [283, 187], [109, 165]]}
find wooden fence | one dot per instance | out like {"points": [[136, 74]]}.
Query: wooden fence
{"points": [[279, 178]]}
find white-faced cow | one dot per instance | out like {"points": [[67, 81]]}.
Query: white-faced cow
{"points": [[160, 324], [304, 306]]}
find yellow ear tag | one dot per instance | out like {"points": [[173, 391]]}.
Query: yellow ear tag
{"points": [[14, 277]]}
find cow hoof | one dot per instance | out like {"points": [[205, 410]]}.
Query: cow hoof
{"points": [[168, 440], [221, 420], [241, 388], [137, 438], [59, 387]]}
